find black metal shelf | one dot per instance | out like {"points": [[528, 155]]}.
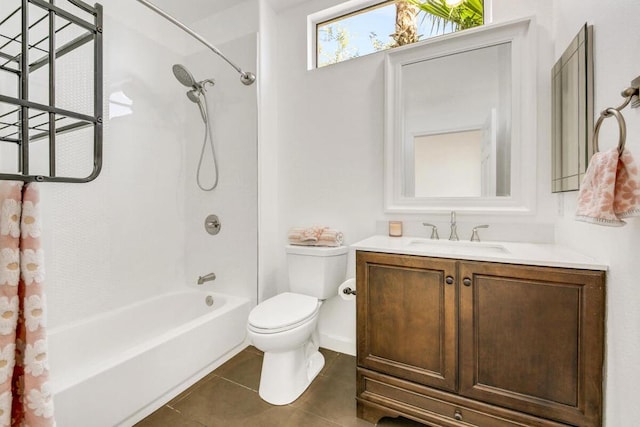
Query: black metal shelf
{"points": [[34, 34], [38, 126]]}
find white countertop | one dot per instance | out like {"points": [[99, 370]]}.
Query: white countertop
{"points": [[542, 254]]}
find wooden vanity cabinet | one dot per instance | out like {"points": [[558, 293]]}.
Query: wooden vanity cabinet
{"points": [[462, 343], [409, 323]]}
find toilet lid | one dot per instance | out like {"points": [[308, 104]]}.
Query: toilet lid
{"points": [[283, 310]]}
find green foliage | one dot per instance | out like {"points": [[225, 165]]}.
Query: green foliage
{"points": [[467, 14], [330, 34], [378, 44], [335, 42]]}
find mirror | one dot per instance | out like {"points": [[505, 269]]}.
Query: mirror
{"points": [[572, 113], [457, 135]]}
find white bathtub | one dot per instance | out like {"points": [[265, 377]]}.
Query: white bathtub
{"points": [[116, 368]]}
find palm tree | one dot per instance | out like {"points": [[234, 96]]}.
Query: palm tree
{"points": [[466, 14], [406, 26]]}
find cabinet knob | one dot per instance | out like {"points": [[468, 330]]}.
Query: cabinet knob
{"points": [[466, 281], [457, 415], [449, 280]]}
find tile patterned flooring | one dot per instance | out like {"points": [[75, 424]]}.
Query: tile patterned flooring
{"points": [[228, 397]]}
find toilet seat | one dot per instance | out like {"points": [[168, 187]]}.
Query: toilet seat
{"points": [[283, 312]]}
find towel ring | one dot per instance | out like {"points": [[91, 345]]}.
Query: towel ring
{"points": [[622, 126]]}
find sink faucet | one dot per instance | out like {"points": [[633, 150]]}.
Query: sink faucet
{"points": [[454, 234], [474, 232], [206, 278], [434, 230]]}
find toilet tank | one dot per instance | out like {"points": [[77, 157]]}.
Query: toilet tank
{"points": [[316, 271]]}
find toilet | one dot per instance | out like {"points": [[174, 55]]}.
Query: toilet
{"points": [[284, 327]]}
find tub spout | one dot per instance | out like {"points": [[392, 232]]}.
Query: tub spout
{"points": [[206, 278]]}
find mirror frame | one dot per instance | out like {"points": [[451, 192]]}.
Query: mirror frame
{"points": [[523, 120], [580, 54]]}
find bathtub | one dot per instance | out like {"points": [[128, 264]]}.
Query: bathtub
{"points": [[115, 368]]}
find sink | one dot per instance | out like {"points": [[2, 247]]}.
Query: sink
{"points": [[456, 247]]}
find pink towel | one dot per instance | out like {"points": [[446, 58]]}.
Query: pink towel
{"points": [[315, 236], [312, 234], [25, 394], [610, 189]]}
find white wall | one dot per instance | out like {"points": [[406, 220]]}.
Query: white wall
{"points": [[330, 152], [615, 36], [269, 242], [330, 145]]}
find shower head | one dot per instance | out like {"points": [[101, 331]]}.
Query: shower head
{"points": [[194, 95], [184, 76]]}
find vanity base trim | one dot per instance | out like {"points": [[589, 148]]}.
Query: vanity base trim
{"points": [[381, 395]]}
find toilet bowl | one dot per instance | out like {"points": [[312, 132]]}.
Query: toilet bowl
{"points": [[284, 327]]}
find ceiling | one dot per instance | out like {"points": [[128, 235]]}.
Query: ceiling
{"points": [[190, 11]]}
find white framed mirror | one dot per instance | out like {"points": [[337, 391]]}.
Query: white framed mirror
{"points": [[460, 122]]}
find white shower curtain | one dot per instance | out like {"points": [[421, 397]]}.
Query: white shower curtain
{"points": [[25, 395]]}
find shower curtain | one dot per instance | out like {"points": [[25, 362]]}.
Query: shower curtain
{"points": [[25, 395]]}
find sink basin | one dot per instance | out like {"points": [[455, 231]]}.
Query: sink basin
{"points": [[456, 247]]}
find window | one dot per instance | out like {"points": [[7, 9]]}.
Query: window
{"points": [[389, 24]]}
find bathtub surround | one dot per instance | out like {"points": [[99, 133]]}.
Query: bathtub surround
{"points": [[137, 232], [247, 78], [146, 211], [25, 393]]}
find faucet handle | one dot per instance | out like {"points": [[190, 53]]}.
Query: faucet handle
{"points": [[474, 232], [434, 230]]}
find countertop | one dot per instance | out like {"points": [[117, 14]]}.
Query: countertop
{"points": [[542, 254]]}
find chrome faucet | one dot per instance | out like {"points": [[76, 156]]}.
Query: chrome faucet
{"points": [[434, 230], [454, 234], [474, 232], [206, 278]]}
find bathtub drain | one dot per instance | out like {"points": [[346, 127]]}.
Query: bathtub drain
{"points": [[209, 300]]}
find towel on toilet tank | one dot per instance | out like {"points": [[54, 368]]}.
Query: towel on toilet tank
{"points": [[315, 236]]}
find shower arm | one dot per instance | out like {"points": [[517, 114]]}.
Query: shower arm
{"points": [[246, 77]]}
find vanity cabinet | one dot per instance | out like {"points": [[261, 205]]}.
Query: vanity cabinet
{"points": [[461, 343]]}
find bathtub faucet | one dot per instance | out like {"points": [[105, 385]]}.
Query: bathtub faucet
{"points": [[206, 278]]}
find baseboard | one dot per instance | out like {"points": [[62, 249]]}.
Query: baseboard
{"points": [[337, 343]]}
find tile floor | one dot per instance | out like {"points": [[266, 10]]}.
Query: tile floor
{"points": [[228, 397]]}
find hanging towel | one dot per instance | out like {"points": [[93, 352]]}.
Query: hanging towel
{"points": [[25, 394], [626, 202], [610, 189], [315, 236]]}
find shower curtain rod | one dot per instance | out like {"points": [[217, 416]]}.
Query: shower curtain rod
{"points": [[246, 77]]}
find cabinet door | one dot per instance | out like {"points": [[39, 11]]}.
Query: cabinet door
{"points": [[531, 339], [406, 317]]}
